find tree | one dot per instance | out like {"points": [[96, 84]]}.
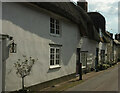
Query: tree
{"points": [[24, 67]]}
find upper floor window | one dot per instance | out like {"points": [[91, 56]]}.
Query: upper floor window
{"points": [[54, 27]]}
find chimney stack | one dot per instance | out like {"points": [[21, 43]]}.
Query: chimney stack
{"points": [[83, 4]]}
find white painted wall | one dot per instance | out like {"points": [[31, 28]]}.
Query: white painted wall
{"points": [[30, 29], [89, 45]]}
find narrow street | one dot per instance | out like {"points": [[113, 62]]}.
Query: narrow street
{"points": [[106, 81]]}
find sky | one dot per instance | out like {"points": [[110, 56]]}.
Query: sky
{"points": [[109, 9]]}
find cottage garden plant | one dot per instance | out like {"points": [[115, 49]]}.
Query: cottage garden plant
{"points": [[23, 67]]}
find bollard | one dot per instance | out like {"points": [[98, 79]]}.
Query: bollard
{"points": [[80, 72]]}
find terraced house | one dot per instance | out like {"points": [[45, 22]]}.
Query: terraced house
{"points": [[58, 34], [100, 25], [117, 47]]}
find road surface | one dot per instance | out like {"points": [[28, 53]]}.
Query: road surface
{"points": [[105, 81]]}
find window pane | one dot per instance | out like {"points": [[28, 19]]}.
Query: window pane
{"points": [[52, 56], [57, 22], [51, 62], [57, 50], [52, 50], [52, 31], [51, 25], [57, 32], [57, 26], [57, 56], [57, 62], [51, 20]]}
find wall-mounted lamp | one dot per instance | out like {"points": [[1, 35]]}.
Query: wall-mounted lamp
{"points": [[13, 47]]}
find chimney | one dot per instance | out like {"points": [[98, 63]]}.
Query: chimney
{"points": [[83, 4]]}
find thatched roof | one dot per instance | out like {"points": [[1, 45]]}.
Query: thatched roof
{"points": [[99, 22], [74, 13], [116, 42]]}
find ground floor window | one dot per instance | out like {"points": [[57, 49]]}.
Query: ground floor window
{"points": [[55, 53], [102, 56], [83, 58]]}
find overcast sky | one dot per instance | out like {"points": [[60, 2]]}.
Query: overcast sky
{"points": [[109, 9]]}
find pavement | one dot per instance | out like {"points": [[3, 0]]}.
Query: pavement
{"points": [[105, 80]]}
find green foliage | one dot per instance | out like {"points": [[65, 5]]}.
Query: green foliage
{"points": [[103, 66]]}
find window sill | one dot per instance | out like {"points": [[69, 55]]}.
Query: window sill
{"points": [[83, 67], [55, 66], [55, 35]]}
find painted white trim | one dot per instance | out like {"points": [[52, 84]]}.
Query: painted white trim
{"points": [[55, 66], [55, 47], [54, 34], [83, 67]]}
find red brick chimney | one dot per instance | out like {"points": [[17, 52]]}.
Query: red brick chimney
{"points": [[83, 4]]}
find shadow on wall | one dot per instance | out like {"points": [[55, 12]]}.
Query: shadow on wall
{"points": [[30, 22]]}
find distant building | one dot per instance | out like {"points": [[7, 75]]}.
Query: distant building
{"points": [[117, 46]]}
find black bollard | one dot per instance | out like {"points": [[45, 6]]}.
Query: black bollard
{"points": [[80, 72]]}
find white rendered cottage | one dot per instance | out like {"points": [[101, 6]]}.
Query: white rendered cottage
{"points": [[50, 32]]}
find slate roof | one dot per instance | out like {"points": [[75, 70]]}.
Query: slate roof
{"points": [[74, 13]]}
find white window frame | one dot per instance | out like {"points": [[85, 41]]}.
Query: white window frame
{"points": [[102, 55], [55, 47], [55, 27], [84, 65]]}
